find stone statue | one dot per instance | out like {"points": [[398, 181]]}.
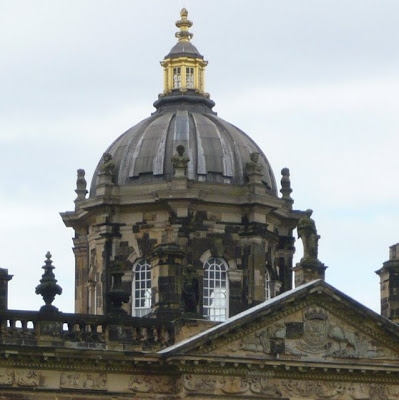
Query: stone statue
{"points": [[308, 233], [190, 290], [180, 160], [108, 165], [81, 185], [253, 166]]}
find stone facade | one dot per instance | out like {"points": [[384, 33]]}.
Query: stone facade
{"points": [[180, 188], [389, 285], [177, 190], [309, 343], [179, 223]]}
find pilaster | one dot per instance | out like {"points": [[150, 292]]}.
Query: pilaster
{"points": [[389, 285], [81, 251], [4, 279], [167, 276]]}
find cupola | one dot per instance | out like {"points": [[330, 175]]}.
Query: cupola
{"points": [[184, 66]]}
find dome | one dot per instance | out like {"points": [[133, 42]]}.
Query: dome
{"points": [[184, 49], [218, 150], [184, 206]]}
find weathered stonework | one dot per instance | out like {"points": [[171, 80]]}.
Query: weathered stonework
{"points": [[311, 343], [181, 188], [389, 285], [154, 223]]}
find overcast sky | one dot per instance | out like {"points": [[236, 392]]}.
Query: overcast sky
{"points": [[314, 82]]}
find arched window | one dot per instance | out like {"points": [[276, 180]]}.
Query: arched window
{"points": [[268, 293], [141, 289], [215, 294]]}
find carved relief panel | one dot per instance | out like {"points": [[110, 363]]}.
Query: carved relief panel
{"points": [[152, 384], [271, 388], [77, 380], [22, 378], [312, 333]]}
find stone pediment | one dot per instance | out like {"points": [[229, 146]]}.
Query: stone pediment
{"points": [[312, 333], [314, 322]]}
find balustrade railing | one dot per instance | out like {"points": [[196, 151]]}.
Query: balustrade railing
{"points": [[74, 330]]}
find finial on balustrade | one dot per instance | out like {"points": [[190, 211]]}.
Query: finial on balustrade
{"points": [[48, 287]]}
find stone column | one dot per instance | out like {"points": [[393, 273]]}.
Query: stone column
{"points": [[389, 285], [167, 272], [80, 250], [4, 278]]}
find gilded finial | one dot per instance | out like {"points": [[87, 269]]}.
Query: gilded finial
{"points": [[183, 24]]}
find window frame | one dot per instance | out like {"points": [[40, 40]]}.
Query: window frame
{"points": [[190, 80], [268, 287], [215, 274], [142, 266], [177, 77]]}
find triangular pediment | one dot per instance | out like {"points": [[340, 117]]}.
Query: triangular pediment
{"points": [[314, 322]]}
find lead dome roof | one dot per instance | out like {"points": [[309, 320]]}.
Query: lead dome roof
{"points": [[217, 149], [184, 49]]}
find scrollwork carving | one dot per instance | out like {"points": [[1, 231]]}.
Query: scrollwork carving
{"points": [[152, 384], [270, 387], [338, 390], [50, 328], [27, 378], [6, 377], [322, 337], [235, 385], [329, 390], [260, 342], [203, 384], [265, 387], [74, 380]]}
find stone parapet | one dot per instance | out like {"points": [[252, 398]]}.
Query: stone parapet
{"points": [[84, 331]]}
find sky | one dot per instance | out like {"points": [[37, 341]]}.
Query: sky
{"points": [[314, 83]]}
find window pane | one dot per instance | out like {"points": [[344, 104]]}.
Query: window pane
{"points": [[215, 295], [267, 285], [142, 289]]}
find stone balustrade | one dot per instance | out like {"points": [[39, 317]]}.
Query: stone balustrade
{"points": [[30, 328]]}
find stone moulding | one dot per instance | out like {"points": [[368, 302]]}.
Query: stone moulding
{"points": [[248, 386]]}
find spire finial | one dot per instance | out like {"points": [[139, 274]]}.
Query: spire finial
{"points": [[81, 185], [183, 24], [286, 187]]}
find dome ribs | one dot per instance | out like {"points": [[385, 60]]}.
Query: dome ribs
{"points": [[201, 161], [147, 155], [234, 148], [217, 154], [126, 156], [243, 148], [159, 159], [217, 149], [181, 136]]}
